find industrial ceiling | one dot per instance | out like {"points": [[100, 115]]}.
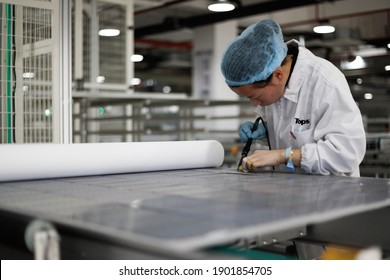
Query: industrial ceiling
{"points": [[164, 29]]}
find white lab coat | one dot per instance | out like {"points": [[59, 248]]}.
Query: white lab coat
{"points": [[319, 115]]}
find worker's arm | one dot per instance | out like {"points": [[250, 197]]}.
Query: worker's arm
{"points": [[264, 158]]}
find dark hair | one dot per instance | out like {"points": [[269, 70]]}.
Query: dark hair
{"points": [[266, 81], [292, 50], [260, 83]]}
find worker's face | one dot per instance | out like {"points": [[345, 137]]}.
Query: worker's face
{"points": [[261, 94]]}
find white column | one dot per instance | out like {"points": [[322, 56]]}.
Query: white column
{"points": [[62, 96], [208, 46], [208, 83]]}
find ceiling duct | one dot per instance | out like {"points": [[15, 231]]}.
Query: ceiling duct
{"points": [[211, 18], [140, 5], [344, 37], [144, 6]]}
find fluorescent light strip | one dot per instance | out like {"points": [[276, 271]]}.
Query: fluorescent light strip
{"points": [[221, 7], [109, 32]]}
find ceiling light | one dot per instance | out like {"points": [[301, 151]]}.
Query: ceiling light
{"points": [[100, 79], [358, 63], [222, 6], [47, 112], [368, 96], [28, 75], [137, 58], [135, 81], [109, 32], [166, 89], [324, 28], [387, 67]]}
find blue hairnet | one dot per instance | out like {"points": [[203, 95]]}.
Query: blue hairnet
{"points": [[254, 54]]}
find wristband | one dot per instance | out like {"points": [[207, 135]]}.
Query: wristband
{"points": [[289, 153]]}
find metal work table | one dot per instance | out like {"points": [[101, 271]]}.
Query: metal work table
{"points": [[172, 214]]}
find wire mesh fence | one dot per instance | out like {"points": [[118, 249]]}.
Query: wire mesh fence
{"points": [[26, 74]]}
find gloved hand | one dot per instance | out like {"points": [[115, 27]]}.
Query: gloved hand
{"points": [[245, 131]]}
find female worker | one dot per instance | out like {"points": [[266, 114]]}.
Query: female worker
{"points": [[314, 125]]}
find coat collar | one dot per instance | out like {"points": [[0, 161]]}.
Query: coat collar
{"points": [[297, 76]]}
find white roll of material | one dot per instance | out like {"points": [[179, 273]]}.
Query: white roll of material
{"points": [[41, 161]]}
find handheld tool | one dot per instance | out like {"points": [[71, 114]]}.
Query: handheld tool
{"points": [[248, 144]]}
